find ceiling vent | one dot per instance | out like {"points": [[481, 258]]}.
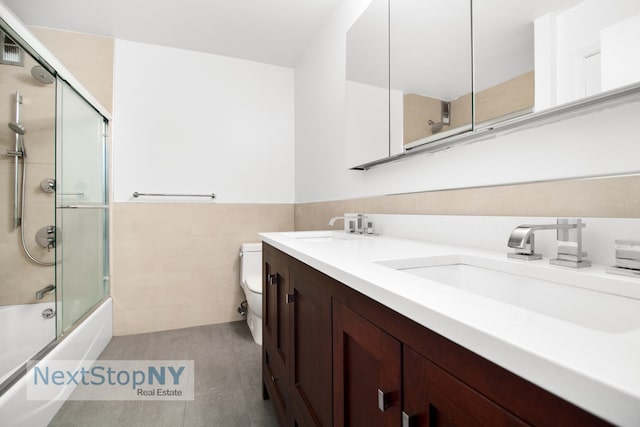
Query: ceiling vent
{"points": [[12, 53]]}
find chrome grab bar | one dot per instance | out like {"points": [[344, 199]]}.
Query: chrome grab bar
{"points": [[136, 194]]}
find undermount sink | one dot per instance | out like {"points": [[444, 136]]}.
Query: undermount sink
{"points": [[516, 285], [323, 236]]}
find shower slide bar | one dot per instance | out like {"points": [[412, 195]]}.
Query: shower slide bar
{"points": [[17, 214], [136, 194]]}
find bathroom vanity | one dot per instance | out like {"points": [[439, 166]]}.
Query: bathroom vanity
{"points": [[356, 333]]}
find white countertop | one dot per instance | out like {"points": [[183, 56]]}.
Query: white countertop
{"points": [[596, 370]]}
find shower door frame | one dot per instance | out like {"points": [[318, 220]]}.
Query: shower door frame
{"points": [[31, 45]]}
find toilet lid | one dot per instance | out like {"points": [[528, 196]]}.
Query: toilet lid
{"points": [[254, 283]]}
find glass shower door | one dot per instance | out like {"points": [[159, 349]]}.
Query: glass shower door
{"points": [[81, 208]]}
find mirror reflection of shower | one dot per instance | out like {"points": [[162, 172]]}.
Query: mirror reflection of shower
{"points": [[445, 117], [435, 127], [19, 153]]}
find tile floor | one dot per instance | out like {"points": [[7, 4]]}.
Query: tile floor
{"points": [[228, 386]]}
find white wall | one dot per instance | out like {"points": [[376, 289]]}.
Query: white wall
{"points": [[598, 144], [189, 122]]}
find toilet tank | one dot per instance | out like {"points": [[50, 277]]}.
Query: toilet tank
{"points": [[250, 260]]}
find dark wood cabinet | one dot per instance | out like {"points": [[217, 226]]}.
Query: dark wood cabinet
{"points": [[367, 373], [333, 356], [434, 398], [275, 332], [296, 341], [310, 366]]}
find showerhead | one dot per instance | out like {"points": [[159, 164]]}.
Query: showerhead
{"points": [[17, 128], [42, 75], [435, 127]]}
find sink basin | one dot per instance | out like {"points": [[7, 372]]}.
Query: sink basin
{"points": [[323, 236], [512, 283]]}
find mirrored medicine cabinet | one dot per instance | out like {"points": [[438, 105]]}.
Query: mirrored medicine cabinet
{"points": [[424, 75]]}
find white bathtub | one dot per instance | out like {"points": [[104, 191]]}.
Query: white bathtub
{"points": [[23, 332], [85, 342]]}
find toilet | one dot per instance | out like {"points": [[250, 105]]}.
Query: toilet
{"points": [[251, 283]]}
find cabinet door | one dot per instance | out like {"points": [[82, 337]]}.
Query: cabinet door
{"points": [[310, 359], [275, 335], [432, 397], [366, 372]]}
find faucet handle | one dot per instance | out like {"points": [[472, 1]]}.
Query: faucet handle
{"points": [[569, 239], [627, 258]]}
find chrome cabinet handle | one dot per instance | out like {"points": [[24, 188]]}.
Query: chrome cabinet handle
{"points": [[272, 279], [289, 298], [383, 400], [407, 420]]}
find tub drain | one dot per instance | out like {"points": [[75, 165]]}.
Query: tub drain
{"points": [[48, 313]]}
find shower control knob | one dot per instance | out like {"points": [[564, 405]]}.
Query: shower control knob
{"points": [[48, 185], [46, 236]]}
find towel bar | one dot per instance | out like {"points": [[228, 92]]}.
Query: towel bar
{"points": [[136, 194]]}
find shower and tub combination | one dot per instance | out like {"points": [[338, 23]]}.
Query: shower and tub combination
{"points": [[54, 288]]}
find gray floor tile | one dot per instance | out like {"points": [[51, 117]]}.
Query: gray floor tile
{"points": [[219, 408], [88, 413], [261, 412], [228, 384], [153, 413]]}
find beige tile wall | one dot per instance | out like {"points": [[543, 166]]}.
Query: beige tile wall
{"points": [[177, 265], [418, 110], [88, 57], [19, 277], [609, 197], [501, 100], [513, 95]]}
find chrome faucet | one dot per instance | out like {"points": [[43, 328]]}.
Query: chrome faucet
{"points": [[570, 254], [355, 223], [45, 291], [334, 219]]}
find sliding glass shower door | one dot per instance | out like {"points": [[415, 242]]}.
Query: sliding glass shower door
{"points": [[81, 207], [53, 207]]}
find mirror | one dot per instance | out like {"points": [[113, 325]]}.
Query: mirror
{"points": [[533, 56], [430, 69], [408, 76], [411, 62], [367, 86]]}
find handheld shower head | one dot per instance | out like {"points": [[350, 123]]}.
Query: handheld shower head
{"points": [[17, 128]]}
